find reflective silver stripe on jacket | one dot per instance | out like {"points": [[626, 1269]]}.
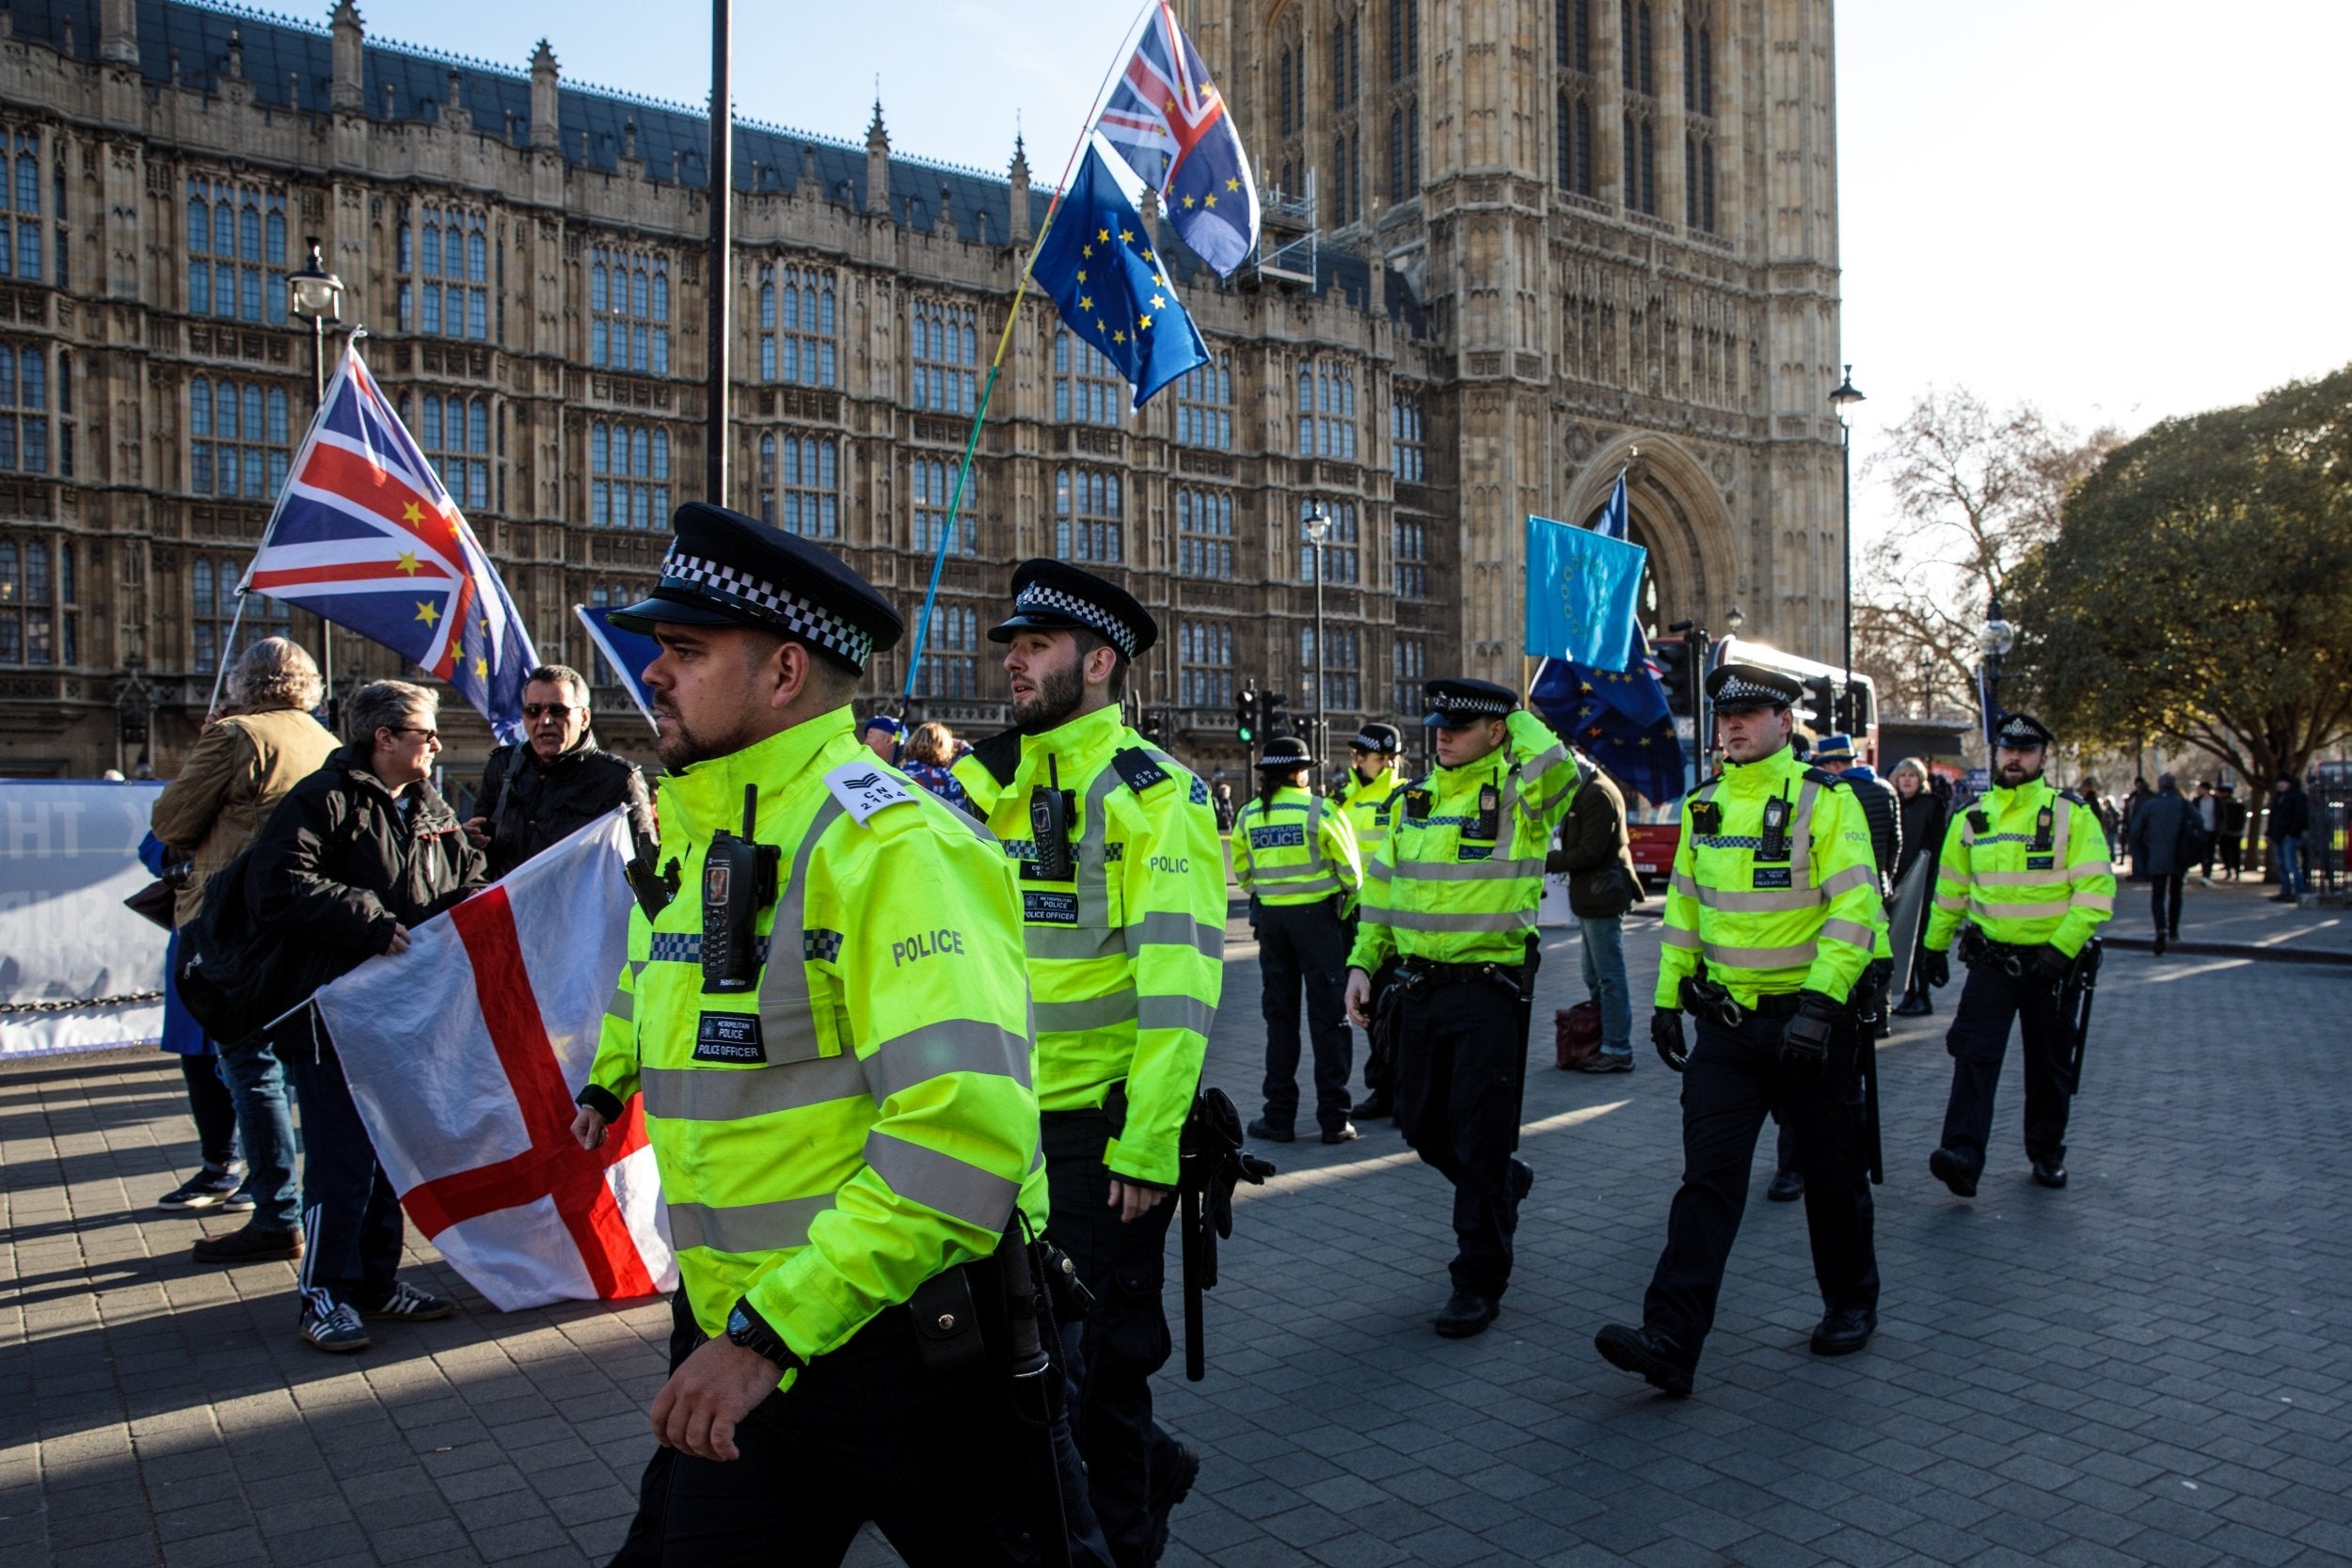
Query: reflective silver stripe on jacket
{"points": [[1438, 920], [1467, 871], [941, 1181], [1095, 1012], [746, 1227], [1175, 1012], [787, 1023], [731, 1093], [1175, 928], [1795, 956]]}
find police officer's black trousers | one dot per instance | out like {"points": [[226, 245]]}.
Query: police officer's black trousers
{"points": [[1978, 1042], [1734, 1079], [1124, 1339], [1461, 1049], [1302, 946], [935, 1460]]}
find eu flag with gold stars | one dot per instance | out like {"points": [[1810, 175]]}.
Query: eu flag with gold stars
{"points": [[1618, 717], [1107, 279]]}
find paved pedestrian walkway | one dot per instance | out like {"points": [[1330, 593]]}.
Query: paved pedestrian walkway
{"points": [[2153, 1365], [2241, 918]]}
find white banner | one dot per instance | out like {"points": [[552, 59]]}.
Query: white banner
{"points": [[68, 857]]}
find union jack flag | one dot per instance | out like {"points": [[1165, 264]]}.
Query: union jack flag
{"points": [[1168, 121], [365, 536]]}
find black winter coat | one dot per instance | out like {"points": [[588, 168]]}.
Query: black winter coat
{"points": [[1596, 852], [1883, 809], [533, 805], [2160, 836], [2290, 813], [340, 863], [1925, 818]]}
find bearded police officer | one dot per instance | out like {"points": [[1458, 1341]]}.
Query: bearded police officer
{"points": [[1452, 897], [2026, 881], [1122, 893], [1772, 918], [1368, 797], [1294, 855], [827, 1022]]}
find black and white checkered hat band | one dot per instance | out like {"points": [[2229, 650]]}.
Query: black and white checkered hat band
{"points": [[1366, 741], [794, 613], [1494, 708], [2017, 732], [1038, 597], [1738, 690]]}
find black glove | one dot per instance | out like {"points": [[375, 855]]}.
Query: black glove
{"points": [[2048, 966], [1805, 1043], [1665, 1032], [1936, 968]]}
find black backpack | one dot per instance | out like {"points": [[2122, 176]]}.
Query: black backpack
{"points": [[227, 961]]}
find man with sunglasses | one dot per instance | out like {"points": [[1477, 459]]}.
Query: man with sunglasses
{"points": [[539, 794], [1772, 918]]}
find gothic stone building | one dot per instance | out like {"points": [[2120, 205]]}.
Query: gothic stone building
{"points": [[1513, 246]]}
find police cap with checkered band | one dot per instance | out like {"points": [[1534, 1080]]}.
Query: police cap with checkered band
{"points": [[1745, 688], [2019, 731], [1382, 740], [725, 569], [1054, 595], [1459, 701]]}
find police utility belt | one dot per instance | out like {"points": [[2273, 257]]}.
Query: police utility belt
{"points": [[1713, 1001], [1420, 976]]}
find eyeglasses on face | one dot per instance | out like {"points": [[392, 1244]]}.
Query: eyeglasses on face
{"points": [[550, 711], [432, 738]]}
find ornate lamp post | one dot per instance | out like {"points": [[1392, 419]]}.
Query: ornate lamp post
{"points": [[316, 295], [1993, 642], [1842, 399]]}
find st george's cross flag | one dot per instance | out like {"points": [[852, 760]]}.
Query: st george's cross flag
{"points": [[1171, 125], [463, 1055], [365, 536]]}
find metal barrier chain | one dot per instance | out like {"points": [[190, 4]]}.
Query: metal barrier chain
{"points": [[68, 1006]]}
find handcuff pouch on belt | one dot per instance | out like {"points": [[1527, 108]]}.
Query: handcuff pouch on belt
{"points": [[1710, 999]]}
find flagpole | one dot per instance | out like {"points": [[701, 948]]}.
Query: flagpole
{"points": [[1004, 342]]}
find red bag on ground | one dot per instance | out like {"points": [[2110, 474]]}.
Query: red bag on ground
{"points": [[1575, 1034]]}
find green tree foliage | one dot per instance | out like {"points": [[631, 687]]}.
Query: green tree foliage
{"points": [[2199, 587]]}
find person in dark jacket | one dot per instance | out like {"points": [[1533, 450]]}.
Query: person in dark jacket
{"points": [[2163, 835], [1834, 753], [355, 855], [1924, 820], [1596, 852], [2290, 819], [539, 794], [2229, 831]]}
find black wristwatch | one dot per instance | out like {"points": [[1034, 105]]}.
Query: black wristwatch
{"points": [[747, 1328]]}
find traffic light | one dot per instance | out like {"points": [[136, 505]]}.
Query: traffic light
{"points": [[1673, 660], [1245, 715], [1274, 704], [1155, 728], [1821, 706]]}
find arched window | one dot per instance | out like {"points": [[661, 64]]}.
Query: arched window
{"points": [[796, 324], [809, 488], [1282, 74], [1088, 388], [447, 278], [629, 299], [239, 441], [1204, 405], [236, 262], [628, 467], [932, 488], [455, 434], [943, 374]]}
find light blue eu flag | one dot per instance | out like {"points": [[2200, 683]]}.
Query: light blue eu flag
{"points": [[1112, 285], [1580, 589]]}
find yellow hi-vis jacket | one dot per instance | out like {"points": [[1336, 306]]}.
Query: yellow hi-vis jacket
{"points": [[861, 1120], [1452, 888], [1369, 807], [1126, 957], [2038, 873], [1296, 848], [1808, 920]]}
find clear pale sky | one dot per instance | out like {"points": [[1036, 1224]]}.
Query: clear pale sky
{"points": [[2117, 209]]}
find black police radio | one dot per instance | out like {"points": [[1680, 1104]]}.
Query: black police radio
{"points": [[739, 881], [1050, 813]]}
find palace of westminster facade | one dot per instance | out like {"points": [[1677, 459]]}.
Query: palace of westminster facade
{"points": [[1534, 242]]}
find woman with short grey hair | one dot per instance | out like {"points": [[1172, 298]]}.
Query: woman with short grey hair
{"points": [[241, 768]]}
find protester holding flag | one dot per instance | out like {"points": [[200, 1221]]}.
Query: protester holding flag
{"points": [[357, 854], [557, 781], [830, 1035]]}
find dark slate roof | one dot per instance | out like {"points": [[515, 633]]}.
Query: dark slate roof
{"points": [[191, 41]]}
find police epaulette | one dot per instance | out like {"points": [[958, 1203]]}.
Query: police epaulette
{"points": [[1823, 776], [1135, 765], [1000, 753]]}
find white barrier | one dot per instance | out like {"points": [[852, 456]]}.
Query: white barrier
{"points": [[68, 857]]}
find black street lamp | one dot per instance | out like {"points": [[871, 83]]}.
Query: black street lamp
{"points": [[1842, 399], [1993, 642], [1318, 530], [316, 295]]}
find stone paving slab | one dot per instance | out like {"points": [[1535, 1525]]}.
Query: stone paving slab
{"points": [[2149, 1367], [2237, 919]]}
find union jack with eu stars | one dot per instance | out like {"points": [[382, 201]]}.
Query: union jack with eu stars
{"points": [[366, 537]]}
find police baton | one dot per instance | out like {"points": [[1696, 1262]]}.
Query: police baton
{"points": [[1210, 1162], [2076, 994]]}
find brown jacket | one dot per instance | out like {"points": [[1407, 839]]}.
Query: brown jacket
{"points": [[240, 769], [1596, 852]]}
